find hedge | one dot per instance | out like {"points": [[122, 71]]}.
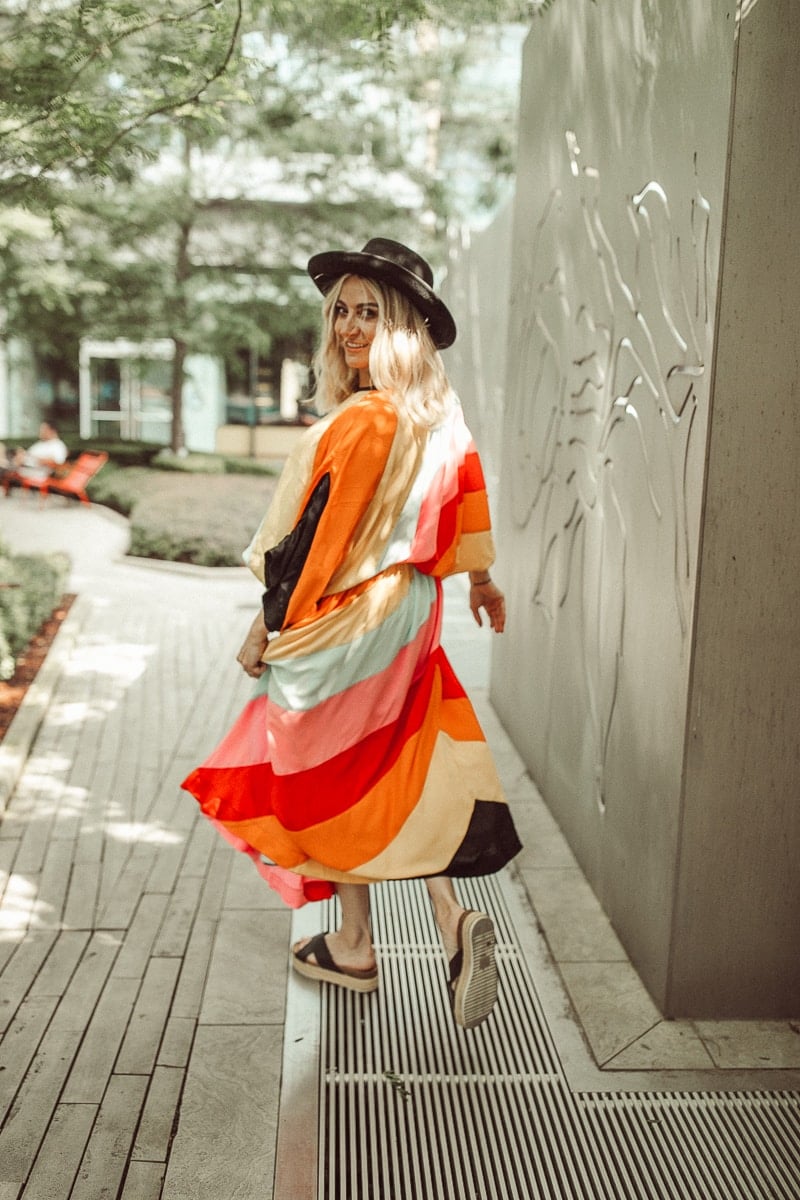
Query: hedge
{"points": [[30, 589], [125, 454]]}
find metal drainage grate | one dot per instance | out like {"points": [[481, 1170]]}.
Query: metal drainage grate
{"points": [[384, 1098]]}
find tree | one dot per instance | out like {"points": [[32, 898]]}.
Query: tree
{"points": [[79, 81], [129, 137]]}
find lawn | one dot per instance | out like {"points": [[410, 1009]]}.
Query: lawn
{"points": [[184, 516]]}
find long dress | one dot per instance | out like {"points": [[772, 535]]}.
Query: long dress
{"points": [[362, 758]]}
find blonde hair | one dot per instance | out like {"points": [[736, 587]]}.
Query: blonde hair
{"points": [[403, 361]]}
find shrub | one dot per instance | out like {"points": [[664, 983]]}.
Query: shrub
{"points": [[248, 466], [119, 488], [211, 464], [190, 464], [204, 552], [31, 588], [125, 454], [187, 515]]}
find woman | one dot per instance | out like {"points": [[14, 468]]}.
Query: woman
{"points": [[363, 759]]}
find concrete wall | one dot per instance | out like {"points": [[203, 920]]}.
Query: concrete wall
{"points": [[648, 518], [737, 915], [258, 441], [476, 289]]}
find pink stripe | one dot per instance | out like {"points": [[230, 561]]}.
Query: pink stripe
{"points": [[246, 741], [443, 487], [300, 741]]}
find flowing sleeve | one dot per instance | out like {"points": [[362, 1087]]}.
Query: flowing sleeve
{"points": [[454, 531], [348, 468]]}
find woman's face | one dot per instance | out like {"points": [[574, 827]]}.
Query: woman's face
{"points": [[355, 320]]}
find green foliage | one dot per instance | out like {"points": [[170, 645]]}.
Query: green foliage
{"points": [[30, 589], [79, 81], [190, 464], [247, 466], [198, 516], [210, 464], [149, 541], [124, 454], [118, 488], [328, 24], [135, 140], [93, 85]]}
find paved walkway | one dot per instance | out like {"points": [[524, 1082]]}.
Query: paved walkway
{"points": [[143, 974]]}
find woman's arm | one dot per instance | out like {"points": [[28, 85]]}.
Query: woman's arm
{"points": [[483, 594]]}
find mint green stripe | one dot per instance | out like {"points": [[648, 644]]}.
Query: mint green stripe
{"points": [[302, 683]]}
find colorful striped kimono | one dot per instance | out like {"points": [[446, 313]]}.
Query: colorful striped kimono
{"points": [[361, 759]]}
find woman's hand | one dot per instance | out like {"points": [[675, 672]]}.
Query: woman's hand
{"points": [[487, 596], [253, 647]]}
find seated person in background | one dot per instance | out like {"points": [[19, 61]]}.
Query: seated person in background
{"points": [[40, 460]]}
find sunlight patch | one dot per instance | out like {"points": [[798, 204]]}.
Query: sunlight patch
{"points": [[136, 831], [124, 661]]}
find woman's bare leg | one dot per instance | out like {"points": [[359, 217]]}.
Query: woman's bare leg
{"points": [[447, 911], [351, 944], [473, 974]]}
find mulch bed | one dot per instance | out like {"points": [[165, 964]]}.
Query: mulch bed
{"points": [[12, 691]]}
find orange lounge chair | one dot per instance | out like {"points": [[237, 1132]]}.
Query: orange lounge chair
{"points": [[12, 478], [73, 484]]}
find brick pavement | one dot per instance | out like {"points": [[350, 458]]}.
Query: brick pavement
{"points": [[132, 941]]}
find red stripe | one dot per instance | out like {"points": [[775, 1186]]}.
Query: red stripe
{"points": [[228, 793], [325, 791], [446, 534], [305, 798], [471, 473]]}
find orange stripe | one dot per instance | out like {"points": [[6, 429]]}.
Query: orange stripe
{"points": [[363, 830], [267, 835], [354, 449], [347, 841], [475, 517], [457, 719]]}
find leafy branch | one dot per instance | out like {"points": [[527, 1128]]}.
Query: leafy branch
{"points": [[88, 56], [60, 107]]}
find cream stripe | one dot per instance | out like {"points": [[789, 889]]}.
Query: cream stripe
{"points": [[459, 773], [290, 489], [436, 828], [340, 626]]}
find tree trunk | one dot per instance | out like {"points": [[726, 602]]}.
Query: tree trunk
{"points": [[178, 440]]}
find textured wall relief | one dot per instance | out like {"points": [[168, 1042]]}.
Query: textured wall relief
{"points": [[611, 327], [743, 10]]}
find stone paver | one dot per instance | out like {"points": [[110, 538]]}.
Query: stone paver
{"points": [[119, 906]]}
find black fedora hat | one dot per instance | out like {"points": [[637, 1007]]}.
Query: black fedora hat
{"points": [[392, 263]]}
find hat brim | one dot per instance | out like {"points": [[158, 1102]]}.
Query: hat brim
{"points": [[325, 269]]}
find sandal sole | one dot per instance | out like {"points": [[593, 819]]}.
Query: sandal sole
{"points": [[338, 978], [475, 990]]}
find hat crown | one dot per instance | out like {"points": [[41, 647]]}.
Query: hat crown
{"points": [[401, 256]]}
